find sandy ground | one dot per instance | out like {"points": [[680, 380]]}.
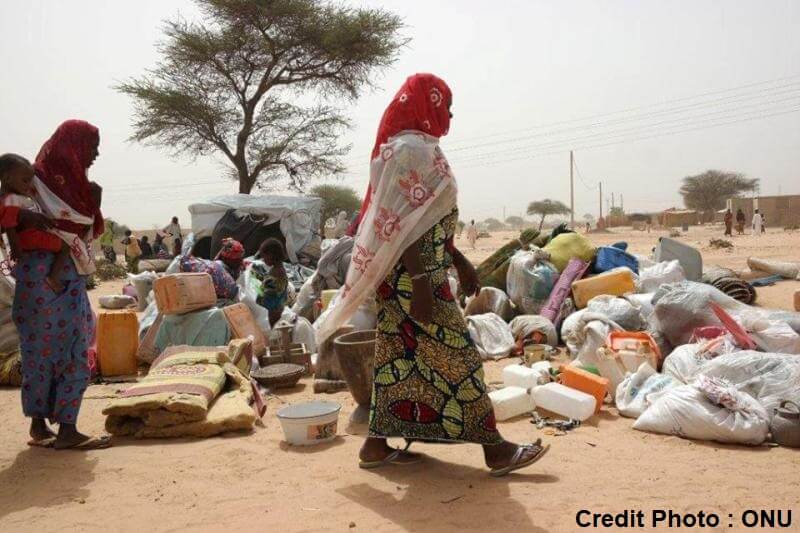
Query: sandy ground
{"points": [[257, 482]]}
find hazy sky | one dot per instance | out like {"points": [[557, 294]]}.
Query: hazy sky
{"points": [[531, 79]]}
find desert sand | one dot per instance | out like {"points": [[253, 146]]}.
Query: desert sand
{"points": [[256, 482]]}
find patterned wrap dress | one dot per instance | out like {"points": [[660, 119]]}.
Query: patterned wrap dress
{"points": [[429, 381]]}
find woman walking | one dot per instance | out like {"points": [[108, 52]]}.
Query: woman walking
{"points": [[54, 328], [428, 382]]}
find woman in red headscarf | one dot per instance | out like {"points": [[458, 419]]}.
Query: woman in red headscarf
{"points": [[55, 328], [428, 382]]}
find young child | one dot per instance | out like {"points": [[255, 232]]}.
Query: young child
{"points": [[16, 176], [274, 288], [132, 252]]}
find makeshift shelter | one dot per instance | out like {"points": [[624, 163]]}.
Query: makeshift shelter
{"points": [[295, 220], [672, 218]]}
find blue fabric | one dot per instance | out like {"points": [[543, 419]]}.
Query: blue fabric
{"points": [[765, 282], [201, 328], [622, 245], [54, 331]]}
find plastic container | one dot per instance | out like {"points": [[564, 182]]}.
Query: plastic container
{"points": [[564, 401], [117, 343], [609, 258], [579, 379], [243, 325], [611, 368], [309, 423], [178, 294], [615, 283], [510, 402], [797, 300], [526, 377], [634, 347], [327, 296], [690, 259]]}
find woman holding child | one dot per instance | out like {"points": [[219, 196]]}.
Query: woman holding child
{"points": [[54, 320]]}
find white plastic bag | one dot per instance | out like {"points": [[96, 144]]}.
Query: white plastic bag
{"points": [[584, 332], [617, 310], [490, 300], [524, 325], [530, 280], [143, 283], [632, 395], [491, 335], [651, 278], [773, 335], [643, 303], [709, 409], [685, 362], [116, 301]]}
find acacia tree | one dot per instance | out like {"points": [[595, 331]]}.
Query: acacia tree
{"points": [[234, 83], [545, 208], [492, 224], [336, 198], [709, 192], [515, 222]]}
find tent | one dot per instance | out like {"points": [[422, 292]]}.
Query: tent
{"points": [[294, 219]]}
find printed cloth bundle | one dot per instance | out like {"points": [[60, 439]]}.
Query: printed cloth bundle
{"points": [[189, 392]]}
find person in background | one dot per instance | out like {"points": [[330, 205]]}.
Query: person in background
{"points": [[107, 242], [763, 223], [740, 221], [757, 223], [16, 175], [340, 227], [231, 255], [147, 250], [274, 288], [55, 329], [159, 248], [472, 234], [588, 227], [728, 223], [173, 229], [133, 253]]}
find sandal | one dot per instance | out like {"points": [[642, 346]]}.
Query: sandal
{"points": [[515, 463], [91, 443], [397, 457], [46, 442]]}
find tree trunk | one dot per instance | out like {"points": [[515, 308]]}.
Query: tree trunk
{"points": [[246, 182], [541, 222]]}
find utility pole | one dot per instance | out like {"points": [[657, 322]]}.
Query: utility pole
{"points": [[599, 220], [612, 200], [571, 190], [621, 203], [504, 215]]}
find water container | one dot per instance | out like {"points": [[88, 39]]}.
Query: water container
{"points": [[564, 401], [614, 283], [609, 258], [690, 259], [117, 343], [526, 377], [579, 379], [510, 402], [611, 368], [182, 293], [243, 325], [797, 300]]}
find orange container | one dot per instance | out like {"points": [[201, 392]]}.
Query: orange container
{"points": [[635, 341], [243, 325], [579, 379], [178, 294], [117, 343], [797, 300], [615, 283]]}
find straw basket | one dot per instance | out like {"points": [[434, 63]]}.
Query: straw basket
{"points": [[280, 376]]}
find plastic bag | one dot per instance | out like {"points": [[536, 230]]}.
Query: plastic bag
{"points": [[784, 269], [530, 281], [490, 300], [773, 335], [524, 326], [685, 362], [642, 302], [618, 310], [143, 283], [709, 409], [584, 333], [768, 377], [632, 395], [306, 298], [568, 246], [116, 301], [491, 335], [651, 278]]}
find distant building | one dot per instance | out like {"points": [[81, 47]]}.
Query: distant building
{"points": [[674, 218], [780, 211]]}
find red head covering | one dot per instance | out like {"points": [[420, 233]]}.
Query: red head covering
{"points": [[62, 163], [421, 104], [232, 251]]}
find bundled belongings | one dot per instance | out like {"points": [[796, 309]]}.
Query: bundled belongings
{"points": [[730, 283], [530, 280], [224, 285], [784, 269], [492, 272], [568, 246], [614, 282], [10, 373], [653, 277], [490, 300], [611, 257], [187, 393], [526, 327], [557, 307], [491, 335], [143, 283], [633, 395], [116, 301], [201, 328]]}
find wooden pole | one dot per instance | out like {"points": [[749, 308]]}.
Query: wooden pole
{"points": [[571, 190]]}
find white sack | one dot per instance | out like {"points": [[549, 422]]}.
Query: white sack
{"points": [[633, 394], [709, 409], [618, 310], [651, 278], [524, 325], [584, 332], [491, 335], [490, 300]]}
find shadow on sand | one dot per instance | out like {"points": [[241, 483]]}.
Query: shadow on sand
{"points": [[436, 494], [45, 478]]}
